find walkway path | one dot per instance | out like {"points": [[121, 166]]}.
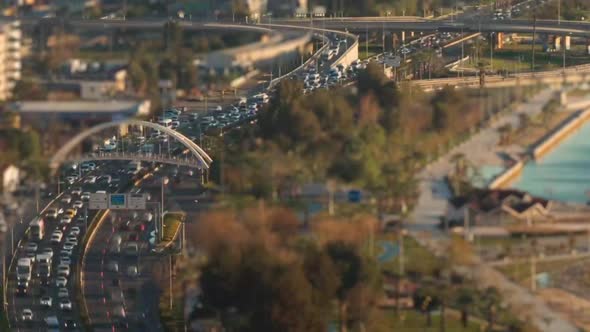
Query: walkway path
{"points": [[432, 204]]}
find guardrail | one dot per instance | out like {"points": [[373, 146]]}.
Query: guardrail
{"points": [[553, 139], [315, 56], [346, 34], [79, 271]]}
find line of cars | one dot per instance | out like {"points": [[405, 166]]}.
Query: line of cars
{"points": [[45, 257], [47, 263], [219, 118]]}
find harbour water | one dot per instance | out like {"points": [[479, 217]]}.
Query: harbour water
{"points": [[563, 174]]}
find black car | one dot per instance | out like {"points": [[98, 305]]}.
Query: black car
{"points": [[70, 324], [22, 290]]}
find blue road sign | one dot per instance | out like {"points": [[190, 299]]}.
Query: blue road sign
{"points": [[354, 196]]}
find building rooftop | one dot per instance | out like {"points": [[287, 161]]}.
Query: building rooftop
{"points": [[77, 106]]}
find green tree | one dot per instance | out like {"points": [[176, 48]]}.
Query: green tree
{"points": [[353, 272], [491, 299], [445, 105], [27, 89]]}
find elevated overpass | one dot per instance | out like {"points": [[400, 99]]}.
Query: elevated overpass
{"points": [[559, 77], [361, 24]]}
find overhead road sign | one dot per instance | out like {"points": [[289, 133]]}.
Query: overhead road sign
{"points": [[118, 201], [136, 201], [98, 201]]}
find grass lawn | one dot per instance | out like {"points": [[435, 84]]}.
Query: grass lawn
{"points": [[103, 55], [528, 137], [521, 271], [410, 321], [172, 223], [518, 57], [416, 258]]}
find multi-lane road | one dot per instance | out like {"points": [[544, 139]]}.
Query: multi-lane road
{"points": [[39, 287]]}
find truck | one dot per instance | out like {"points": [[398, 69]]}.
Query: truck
{"points": [[23, 268], [37, 229]]}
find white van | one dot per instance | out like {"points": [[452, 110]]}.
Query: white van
{"points": [[165, 122]]}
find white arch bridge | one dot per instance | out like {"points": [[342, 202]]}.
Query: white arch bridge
{"points": [[200, 158]]}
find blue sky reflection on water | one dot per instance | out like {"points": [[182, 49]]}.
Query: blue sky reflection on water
{"points": [[564, 173]]}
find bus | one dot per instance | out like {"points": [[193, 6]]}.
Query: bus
{"points": [[37, 229]]}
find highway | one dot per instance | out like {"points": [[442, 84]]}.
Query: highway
{"points": [[37, 288], [109, 277], [469, 23]]}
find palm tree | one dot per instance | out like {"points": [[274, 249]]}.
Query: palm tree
{"points": [[491, 300], [505, 132], [459, 161]]}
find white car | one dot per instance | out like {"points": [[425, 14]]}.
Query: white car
{"points": [[63, 270], [90, 179], [85, 196], [77, 191], [148, 216], [71, 179], [32, 247], [78, 204], [68, 246], [66, 199], [51, 213], [75, 231], [65, 220], [65, 260], [52, 322], [132, 271], [63, 292], [56, 237], [46, 302], [65, 253], [65, 304], [27, 315], [113, 266], [48, 251], [61, 281]]}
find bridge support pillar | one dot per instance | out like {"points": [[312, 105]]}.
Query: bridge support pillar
{"points": [[411, 33], [500, 40], [546, 41], [391, 41], [557, 43], [123, 130], [567, 42], [403, 36]]}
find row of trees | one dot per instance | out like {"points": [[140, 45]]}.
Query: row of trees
{"points": [[381, 7], [23, 149], [375, 138], [261, 275]]}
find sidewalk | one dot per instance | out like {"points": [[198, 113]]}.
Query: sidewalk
{"points": [[432, 204]]}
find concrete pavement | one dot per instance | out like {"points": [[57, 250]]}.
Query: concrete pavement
{"points": [[432, 203]]}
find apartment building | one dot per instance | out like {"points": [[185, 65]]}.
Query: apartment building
{"points": [[10, 57]]}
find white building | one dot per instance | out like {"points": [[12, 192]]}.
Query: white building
{"points": [[10, 176], [10, 57]]}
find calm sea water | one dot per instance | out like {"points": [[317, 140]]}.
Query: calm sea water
{"points": [[564, 173]]}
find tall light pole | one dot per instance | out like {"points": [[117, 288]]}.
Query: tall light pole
{"points": [[534, 37], [164, 182], [492, 51], [559, 12]]}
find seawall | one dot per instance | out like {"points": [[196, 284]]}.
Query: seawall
{"points": [[507, 176], [552, 140]]}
